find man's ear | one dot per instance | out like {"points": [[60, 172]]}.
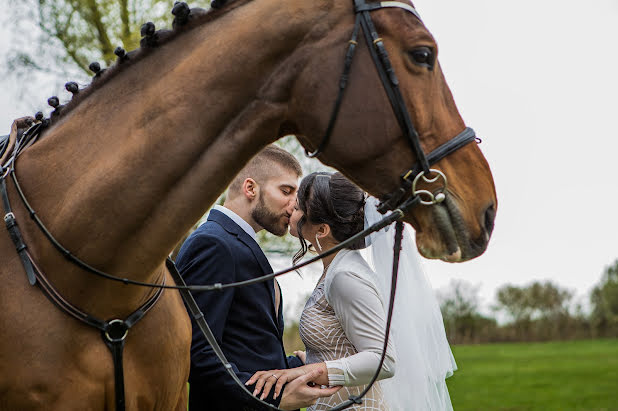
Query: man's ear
{"points": [[250, 189]]}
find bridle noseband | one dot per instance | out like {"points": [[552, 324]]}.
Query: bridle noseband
{"points": [[390, 82]]}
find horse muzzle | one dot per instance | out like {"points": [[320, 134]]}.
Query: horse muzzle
{"points": [[450, 237]]}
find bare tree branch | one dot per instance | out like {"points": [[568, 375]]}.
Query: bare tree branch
{"points": [[95, 19], [126, 23]]}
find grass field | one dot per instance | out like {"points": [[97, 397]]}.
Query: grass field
{"points": [[573, 375]]}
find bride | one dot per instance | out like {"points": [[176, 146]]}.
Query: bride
{"points": [[344, 320]]}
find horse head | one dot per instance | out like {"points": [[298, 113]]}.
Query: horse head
{"points": [[370, 145]]}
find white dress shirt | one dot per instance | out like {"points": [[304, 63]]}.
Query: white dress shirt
{"points": [[237, 219]]}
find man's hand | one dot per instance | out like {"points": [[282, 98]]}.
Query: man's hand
{"points": [[298, 394], [264, 380]]}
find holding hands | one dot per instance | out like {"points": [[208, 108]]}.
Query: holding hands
{"points": [[303, 384]]}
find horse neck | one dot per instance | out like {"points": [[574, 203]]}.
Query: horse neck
{"points": [[136, 163]]}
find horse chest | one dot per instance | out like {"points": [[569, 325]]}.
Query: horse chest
{"points": [[51, 361]]}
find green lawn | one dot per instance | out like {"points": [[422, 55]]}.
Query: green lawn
{"points": [[573, 375]]}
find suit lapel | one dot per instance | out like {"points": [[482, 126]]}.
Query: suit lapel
{"points": [[230, 226], [257, 252], [264, 265]]}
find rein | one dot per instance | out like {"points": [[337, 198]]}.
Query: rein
{"points": [[115, 331]]}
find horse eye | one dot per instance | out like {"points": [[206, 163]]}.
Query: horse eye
{"points": [[423, 56]]}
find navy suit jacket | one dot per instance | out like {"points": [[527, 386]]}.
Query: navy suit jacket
{"points": [[242, 319]]}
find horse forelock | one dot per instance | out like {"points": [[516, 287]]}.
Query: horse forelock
{"points": [[163, 36]]}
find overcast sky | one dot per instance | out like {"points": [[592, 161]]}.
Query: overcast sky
{"points": [[538, 81]]}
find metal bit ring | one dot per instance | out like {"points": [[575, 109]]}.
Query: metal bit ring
{"points": [[427, 197]]}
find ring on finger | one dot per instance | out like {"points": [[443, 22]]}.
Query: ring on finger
{"points": [[273, 375]]}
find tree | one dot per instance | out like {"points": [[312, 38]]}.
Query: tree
{"points": [[540, 311], [70, 34], [537, 300], [604, 301], [512, 299], [459, 304]]}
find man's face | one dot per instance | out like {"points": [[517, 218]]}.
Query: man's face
{"points": [[275, 202]]}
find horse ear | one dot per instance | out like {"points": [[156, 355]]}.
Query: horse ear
{"points": [[38, 116]]}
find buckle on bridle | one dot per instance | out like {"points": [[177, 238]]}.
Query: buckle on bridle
{"points": [[426, 196], [118, 330], [8, 217]]}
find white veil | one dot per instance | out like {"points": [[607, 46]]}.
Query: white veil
{"points": [[424, 358]]}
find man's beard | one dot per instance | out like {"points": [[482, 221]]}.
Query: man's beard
{"points": [[268, 219]]}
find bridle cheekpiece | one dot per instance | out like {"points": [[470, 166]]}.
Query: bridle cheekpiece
{"points": [[421, 169]]}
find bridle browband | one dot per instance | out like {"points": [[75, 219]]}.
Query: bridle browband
{"points": [[390, 82], [399, 202]]}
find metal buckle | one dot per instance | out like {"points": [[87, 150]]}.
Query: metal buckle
{"points": [[109, 326], [430, 198]]}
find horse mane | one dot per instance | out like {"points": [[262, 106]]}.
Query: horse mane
{"points": [[185, 20]]}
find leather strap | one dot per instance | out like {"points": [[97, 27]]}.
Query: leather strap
{"points": [[4, 143], [14, 233], [343, 82], [384, 4], [390, 82], [113, 332], [116, 347]]}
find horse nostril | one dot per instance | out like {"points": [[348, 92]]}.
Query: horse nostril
{"points": [[488, 219]]}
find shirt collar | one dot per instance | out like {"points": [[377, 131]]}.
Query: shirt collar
{"points": [[237, 219]]}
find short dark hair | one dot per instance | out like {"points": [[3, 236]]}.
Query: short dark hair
{"points": [[260, 167], [332, 199]]}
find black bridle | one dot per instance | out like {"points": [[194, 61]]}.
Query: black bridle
{"points": [[390, 82], [399, 202]]}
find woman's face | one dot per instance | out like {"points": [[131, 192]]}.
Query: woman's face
{"points": [[297, 214]]}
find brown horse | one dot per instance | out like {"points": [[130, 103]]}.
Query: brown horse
{"points": [[134, 161]]}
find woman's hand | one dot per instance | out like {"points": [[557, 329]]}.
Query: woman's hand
{"points": [[302, 355], [264, 380]]}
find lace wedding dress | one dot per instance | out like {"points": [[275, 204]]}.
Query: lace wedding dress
{"points": [[343, 325]]}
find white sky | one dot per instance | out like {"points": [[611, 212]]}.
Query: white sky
{"points": [[538, 81]]}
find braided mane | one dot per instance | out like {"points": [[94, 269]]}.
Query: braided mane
{"points": [[185, 20]]}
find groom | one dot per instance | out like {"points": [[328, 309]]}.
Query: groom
{"points": [[246, 321]]}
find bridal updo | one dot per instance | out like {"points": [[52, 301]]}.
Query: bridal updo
{"points": [[334, 200]]}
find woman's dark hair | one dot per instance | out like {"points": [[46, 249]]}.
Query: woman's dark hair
{"points": [[332, 199]]}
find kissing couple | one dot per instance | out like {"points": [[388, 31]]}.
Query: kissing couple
{"points": [[343, 322]]}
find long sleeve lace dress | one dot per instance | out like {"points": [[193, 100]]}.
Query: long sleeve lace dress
{"points": [[343, 324]]}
